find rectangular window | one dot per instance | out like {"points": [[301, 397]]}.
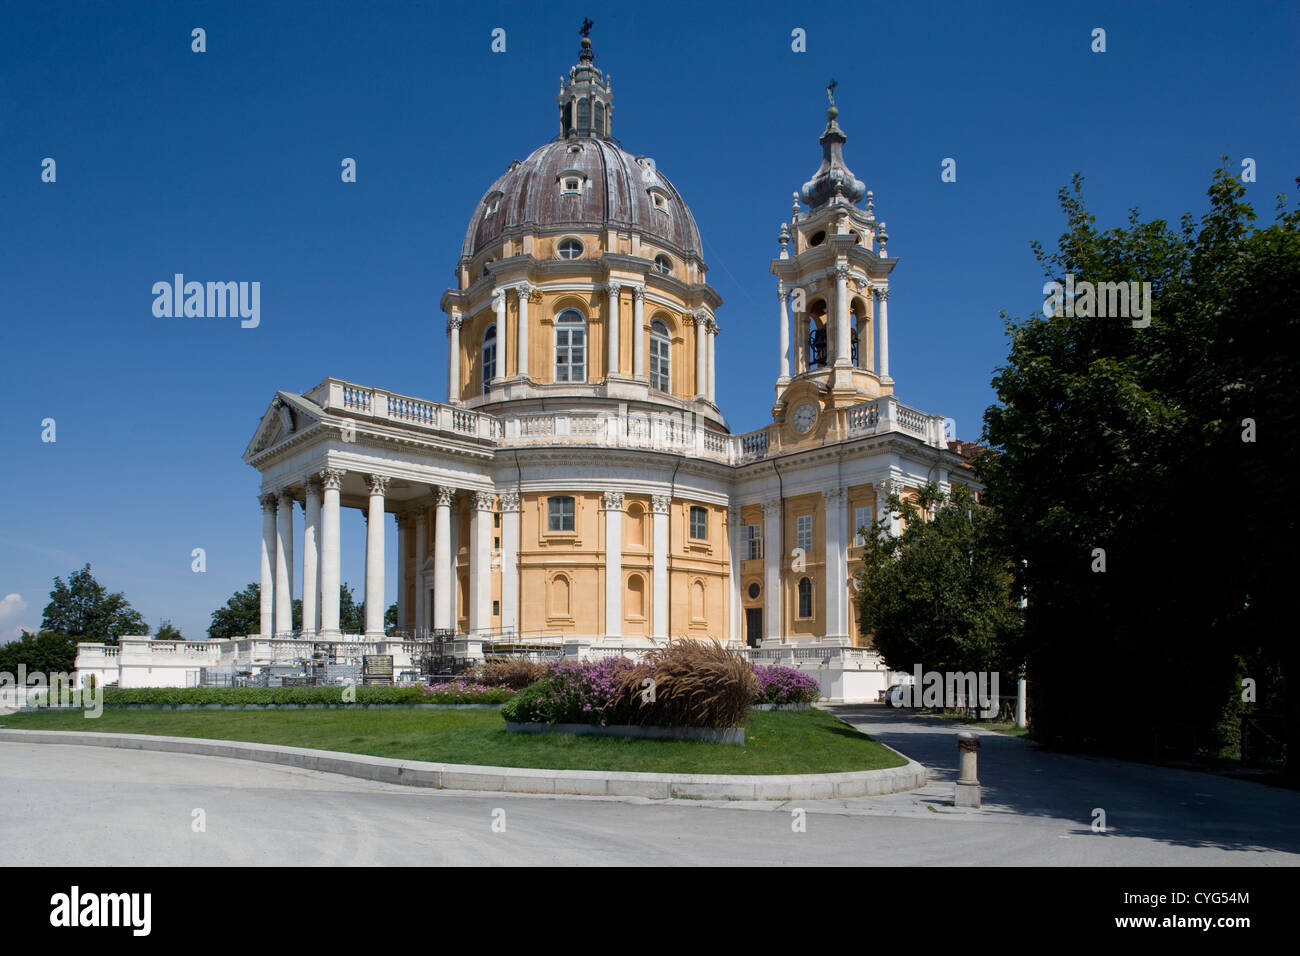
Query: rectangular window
{"points": [[496, 608], [559, 514], [496, 544], [496, 519], [803, 532], [699, 524], [751, 541], [659, 363], [861, 519]]}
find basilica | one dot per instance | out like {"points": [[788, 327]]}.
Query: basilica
{"points": [[580, 480], [579, 489]]}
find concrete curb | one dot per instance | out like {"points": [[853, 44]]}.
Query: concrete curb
{"points": [[417, 773]]}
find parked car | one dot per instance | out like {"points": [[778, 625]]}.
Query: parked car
{"points": [[900, 695]]}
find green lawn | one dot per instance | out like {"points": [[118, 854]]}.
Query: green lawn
{"points": [[808, 741]]}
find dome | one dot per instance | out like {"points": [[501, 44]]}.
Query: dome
{"points": [[614, 189]]}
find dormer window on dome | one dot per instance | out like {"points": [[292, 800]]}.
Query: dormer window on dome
{"points": [[492, 202], [659, 197], [572, 182]]}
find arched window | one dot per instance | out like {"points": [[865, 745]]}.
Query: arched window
{"points": [[570, 347], [560, 597], [600, 118], [489, 357], [805, 598], [660, 351], [636, 596], [584, 115], [818, 343]]}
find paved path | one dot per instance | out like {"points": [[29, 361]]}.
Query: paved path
{"points": [[95, 806]]}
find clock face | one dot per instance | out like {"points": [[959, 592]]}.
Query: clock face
{"points": [[805, 416]]}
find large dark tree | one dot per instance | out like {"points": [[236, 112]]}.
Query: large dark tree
{"points": [[1160, 453], [85, 611]]}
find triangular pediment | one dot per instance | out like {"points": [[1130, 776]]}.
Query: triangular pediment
{"points": [[286, 416]]}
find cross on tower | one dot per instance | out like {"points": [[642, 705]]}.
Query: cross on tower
{"points": [[586, 27]]}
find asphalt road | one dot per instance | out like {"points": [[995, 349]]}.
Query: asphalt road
{"points": [[95, 806]]}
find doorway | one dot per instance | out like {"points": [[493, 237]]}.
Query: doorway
{"points": [[753, 626]]}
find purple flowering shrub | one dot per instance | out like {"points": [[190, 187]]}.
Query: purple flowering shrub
{"points": [[785, 685], [465, 692], [575, 692]]}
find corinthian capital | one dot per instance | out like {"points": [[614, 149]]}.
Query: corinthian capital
{"points": [[442, 496], [843, 271], [499, 297], [882, 293], [454, 321], [614, 287], [638, 293], [483, 500], [268, 501], [613, 501], [524, 290], [782, 293], [378, 484], [331, 479], [509, 501], [701, 317], [659, 504]]}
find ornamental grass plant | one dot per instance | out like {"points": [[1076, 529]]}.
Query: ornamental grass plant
{"points": [[690, 683]]}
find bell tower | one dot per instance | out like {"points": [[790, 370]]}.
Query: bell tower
{"points": [[833, 289]]}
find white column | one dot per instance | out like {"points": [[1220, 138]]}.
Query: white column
{"points": [[772, 557], [442, 576], [837, 575], [659, 535], [611, 327], [284, 565], [713, 380], [783, 366], [733, 528], [499, 304], [421, 555], [509, 562], [378, 485], [311, 561], [613, 506], [638, 331], [883, 319], [480, 564], [453, 357], [330, 552], [701, 354], [843, 354], [267, 624], [523, 291], [404, 523]]}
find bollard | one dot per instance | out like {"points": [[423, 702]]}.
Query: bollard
{"points": [[968, 785]]}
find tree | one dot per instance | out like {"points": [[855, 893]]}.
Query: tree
{"points": [[167, 632], [46, 652], [390, 616], [84, 610], [1141, 509], [942, 594], [352, 616], [242, 614]]}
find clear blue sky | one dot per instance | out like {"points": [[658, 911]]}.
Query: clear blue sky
{"points": [[225, 165]]}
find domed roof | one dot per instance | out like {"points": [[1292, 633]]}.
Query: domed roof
{"points": [[614, 189]]}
